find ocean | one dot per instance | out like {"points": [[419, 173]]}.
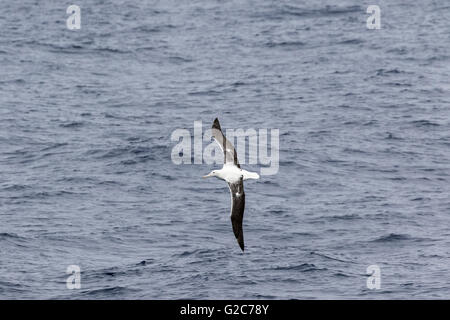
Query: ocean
{"points": [[87, 177]]}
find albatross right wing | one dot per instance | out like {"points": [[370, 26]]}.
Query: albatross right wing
{"points": [[237, 209], [229, 153]]}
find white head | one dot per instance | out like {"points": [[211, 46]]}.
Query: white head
{"points": [[213, 173]]}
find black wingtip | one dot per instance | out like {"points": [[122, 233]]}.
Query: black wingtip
{"points": [[216, 124], [241, 244]]}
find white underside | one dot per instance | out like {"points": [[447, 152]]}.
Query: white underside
{"points": [[231, 174]]}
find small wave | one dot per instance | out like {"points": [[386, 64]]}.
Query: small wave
{"points": [[344, 217], [16, 187], [277, 211], [341, 275], [205, 93], [179, 60], [424, 123], [328, 257], [285, 44], [321, 12], [304, 267], [154, 28], [145, 262], [107, 292], [194, 252], [139, 153], [54, 146], [381, 72], [273, 183], [79, 49], [420, 199], [392, 237], [398, 84], [18, 81], [49, 194], [6, 235], [14, 239], [112, 50], [351, 41], [239, 84], [74, 124], [117, 271], [264, 297], [391, 136], [351, 150], [398, 179]]}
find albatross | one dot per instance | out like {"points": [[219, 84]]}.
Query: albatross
{"points": [[232, 173]]}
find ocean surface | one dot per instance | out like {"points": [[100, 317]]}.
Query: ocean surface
{"points": [[87, 179]]}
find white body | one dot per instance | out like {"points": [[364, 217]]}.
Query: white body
{"points": [[231, 174]]}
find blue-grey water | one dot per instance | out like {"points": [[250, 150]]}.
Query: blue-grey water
{"points": [[86, 176]]}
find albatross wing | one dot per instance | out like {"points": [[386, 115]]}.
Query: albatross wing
{"points": [[229, 153], [237, 209]]}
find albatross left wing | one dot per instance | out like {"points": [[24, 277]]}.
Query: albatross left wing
{"points": [[229, 153], [237, 209]]}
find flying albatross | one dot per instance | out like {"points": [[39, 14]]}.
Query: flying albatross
{"points": [[232, 173]]}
